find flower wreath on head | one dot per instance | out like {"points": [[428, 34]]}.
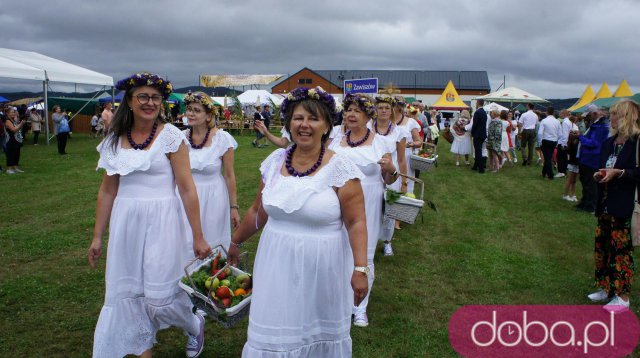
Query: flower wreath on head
{"points": [[302, 93], [205, 101], [400, 101], [363, 101], [386, 99], [146, 79]]}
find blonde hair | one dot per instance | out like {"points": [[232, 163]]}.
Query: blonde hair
{"points": [[628, 113], [495, 113], [465, 114]]}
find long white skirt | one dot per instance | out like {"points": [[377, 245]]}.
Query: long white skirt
{"points": [[301, 304], [145, 260]]}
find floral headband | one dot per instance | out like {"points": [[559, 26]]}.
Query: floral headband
{"points": [[146, 79], [400, 101], [387, 99], [302, 93], [205, 101], [363, 101]]}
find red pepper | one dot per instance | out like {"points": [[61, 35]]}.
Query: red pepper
{"points": [[214, 264]]}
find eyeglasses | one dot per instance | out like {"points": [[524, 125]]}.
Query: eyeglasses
{"points": [[194, 110], [144, 98]]}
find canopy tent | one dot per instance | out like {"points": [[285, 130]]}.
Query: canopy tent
{"points": [[29, 65], [512, 95], [492, 106], [608, 102], [220, 101], [74, 105], [587, 96], [116, 99], [623, 90], [449, 100], [604, 91], [2, 99], [520, 108], [253, 96]]}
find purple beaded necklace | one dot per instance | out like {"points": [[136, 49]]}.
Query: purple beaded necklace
{"points": [[375, 125], [204, 141], [295, 173], [144, 144], [355, 144]]}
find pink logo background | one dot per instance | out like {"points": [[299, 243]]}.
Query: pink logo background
{"points": [[537, 331]]}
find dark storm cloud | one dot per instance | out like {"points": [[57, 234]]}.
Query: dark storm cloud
{"points": [[552, 48]]}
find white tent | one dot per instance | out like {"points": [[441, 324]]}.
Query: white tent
{"points": [[252, 97], [29, 65], [513, 95], [492, 106]]}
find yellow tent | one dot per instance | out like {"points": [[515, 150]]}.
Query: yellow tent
{"points": [[623, 90], [604, 91], [587, 97], [449, 100]]}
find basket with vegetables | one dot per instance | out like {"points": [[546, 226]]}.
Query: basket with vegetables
{"points": [[404, 207], [219, 289], [426, 159]]}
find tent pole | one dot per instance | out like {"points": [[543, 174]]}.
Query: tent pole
{"points": [[46, 109], [113, 96]]}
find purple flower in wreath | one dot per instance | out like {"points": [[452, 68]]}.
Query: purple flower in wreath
{"points": [[146, 79], [302, 93], [363, 101]]}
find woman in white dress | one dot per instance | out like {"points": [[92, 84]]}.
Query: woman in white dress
{"points": [[144, 160], [211, 152], [461, 138], [372, 154], [412, 127], [385, 125], [301, 302], [504, 143]]}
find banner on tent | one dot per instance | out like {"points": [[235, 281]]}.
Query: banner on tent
{"points": [[236, 80], [363, 85]]}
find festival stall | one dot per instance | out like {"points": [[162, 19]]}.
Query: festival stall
{"points": [[587, 97], [449, 100], [512, 95], [604, 91], [29, 65]]}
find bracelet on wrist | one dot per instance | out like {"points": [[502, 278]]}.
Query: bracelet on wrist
{"points": [[237, 245], [234, 206]]}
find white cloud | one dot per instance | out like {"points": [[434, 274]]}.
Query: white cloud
{"points": [[551, 48]]}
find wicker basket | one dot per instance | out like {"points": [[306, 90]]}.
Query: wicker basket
{"points": [[417, 162], [406, 209], [423, 164], [228, 317]]}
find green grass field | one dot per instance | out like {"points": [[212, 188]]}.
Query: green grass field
{"points": [[505, 238]]}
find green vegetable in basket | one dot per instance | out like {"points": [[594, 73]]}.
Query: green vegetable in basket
{"points": [[235, 300], [392, 196]]}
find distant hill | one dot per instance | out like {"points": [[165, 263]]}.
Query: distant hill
{"points": [[217, 91]]}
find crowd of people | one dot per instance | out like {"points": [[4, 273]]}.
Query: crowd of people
{"points": [[168, 196]]}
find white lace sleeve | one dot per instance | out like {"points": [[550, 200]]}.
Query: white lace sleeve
{"points": [[343, 171], [107, 155], [285, 134], [267, 167], [228, 142], [170, 139]]}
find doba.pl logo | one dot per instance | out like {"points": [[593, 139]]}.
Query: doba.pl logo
{"points": [[542, 331]]}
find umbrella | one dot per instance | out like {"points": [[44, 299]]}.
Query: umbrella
{"points": [[2, 99], [513, 95]]}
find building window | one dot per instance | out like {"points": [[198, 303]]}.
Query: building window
{"points": [[302, 81]]}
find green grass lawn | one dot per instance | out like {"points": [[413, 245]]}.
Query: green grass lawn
{"points": [[505, 238]]}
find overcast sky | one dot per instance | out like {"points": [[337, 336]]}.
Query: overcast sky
{"points": [[550, 48]]}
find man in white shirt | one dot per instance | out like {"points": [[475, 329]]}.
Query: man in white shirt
{"points": [[562, 154], [549, 132], [527, 128]]}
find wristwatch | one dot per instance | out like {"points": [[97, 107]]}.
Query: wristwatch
{"points": [[364, 269]]}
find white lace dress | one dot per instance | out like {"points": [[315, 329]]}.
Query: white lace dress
{"points": [[366, 158], [409, 124], [302, 298], [145, 255], [206, 168]]}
